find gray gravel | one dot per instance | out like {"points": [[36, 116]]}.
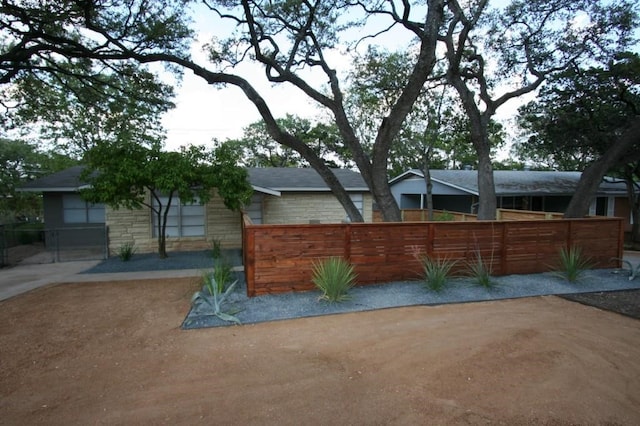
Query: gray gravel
{"points": [[406, 293], [365, 298], [176, 260]]}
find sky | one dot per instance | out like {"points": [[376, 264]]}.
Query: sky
{"points": [[204, 112]]}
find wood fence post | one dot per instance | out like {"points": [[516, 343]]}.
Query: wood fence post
{"points": [[503, 248], [347, 242], [249, 250]]}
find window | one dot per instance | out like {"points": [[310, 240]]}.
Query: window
{"points": [[183, 220], [76, 210], [358, 201], [255, 209]]}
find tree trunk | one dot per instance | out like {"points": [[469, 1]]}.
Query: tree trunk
{"points": [[487, 203], [592, 175], [426, 173]]}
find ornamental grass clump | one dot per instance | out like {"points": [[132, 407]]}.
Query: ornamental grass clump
{"points": [[436, 272], [481, 272], [572, 264], [126, 251], [334, 277], [222, 273]]}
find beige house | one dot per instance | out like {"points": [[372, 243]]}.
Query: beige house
{"points": [[281, 196]]}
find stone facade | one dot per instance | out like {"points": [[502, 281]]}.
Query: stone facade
{"points": [[134, 226], [308, 207], [224, 225]]}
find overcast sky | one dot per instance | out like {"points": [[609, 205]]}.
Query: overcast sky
{"points": [[204, 112]]}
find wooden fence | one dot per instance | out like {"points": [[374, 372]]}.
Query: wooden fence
{"points": [[422, 215], [279, 258]]}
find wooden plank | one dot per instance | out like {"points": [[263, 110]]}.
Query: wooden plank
{"points": [[280, 257]]}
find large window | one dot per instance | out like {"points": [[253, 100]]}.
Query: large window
{"points": [[358, 201], [76, 210], [183, 220]]}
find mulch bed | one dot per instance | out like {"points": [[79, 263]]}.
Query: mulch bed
{"points": [[625, 302]]}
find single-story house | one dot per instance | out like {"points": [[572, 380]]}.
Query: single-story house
{"points": [[548, 191], [281, 196]]}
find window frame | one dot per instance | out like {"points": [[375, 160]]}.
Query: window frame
{"points": [[176, 225], [85, 212]]}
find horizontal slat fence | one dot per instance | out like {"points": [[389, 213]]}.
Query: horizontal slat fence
{"points": [[279, 258], [422, 215]]}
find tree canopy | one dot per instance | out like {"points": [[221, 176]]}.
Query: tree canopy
{"points": [[135, 176], [587, 119], [256, 147], [497, 55], [21, 162], [491, 56]]}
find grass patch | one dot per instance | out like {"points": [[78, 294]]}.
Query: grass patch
{"points": [[334, 277]]}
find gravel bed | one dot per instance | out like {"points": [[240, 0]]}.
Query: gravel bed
{"points": [[365, 298], [406, 293], [176, 260]]}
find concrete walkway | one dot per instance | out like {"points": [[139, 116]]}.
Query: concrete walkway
{"points": [[22, 278]]}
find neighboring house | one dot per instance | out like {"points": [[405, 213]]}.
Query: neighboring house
{"points": [[548, 191], [281, 196]]}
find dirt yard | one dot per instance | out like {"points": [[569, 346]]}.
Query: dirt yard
{"points": [[113, 353]]}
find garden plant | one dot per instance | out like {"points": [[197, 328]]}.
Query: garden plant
{"points": [[480, 271], [436, 272], [212, 297], [126, 251], [334, 277], [572, 264]]}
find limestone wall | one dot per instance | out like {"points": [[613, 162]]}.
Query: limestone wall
{"points": [[134, 226], [298, 208], [222, 224]]}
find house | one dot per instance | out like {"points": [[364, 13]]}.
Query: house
{"points": [[281, 196], [548, 191]]}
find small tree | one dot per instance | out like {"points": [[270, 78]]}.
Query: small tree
{"points": [[134, 176]]}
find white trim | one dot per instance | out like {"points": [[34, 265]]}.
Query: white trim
{"points": [[268, 191]]}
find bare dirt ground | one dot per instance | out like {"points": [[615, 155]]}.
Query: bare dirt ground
{"points": [[113, 353]]}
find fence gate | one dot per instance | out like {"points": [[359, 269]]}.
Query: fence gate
{"points": [[82, 243], [20, 244]]}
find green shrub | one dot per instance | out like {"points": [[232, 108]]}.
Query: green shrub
{"points": [[126, 251], [445, 216], [572, 264], [436, 272], [216, 249], [481, 272], [334, 277]]}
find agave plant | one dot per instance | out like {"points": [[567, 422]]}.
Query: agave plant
{"points": [[215, 298], [633, 272]]}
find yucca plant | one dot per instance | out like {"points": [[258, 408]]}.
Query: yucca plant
{"points": [[480, 272], [216, 248], [572, 264], [334, 277], [222, 272], [215, 298], [436, 272], [126, 251]]}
